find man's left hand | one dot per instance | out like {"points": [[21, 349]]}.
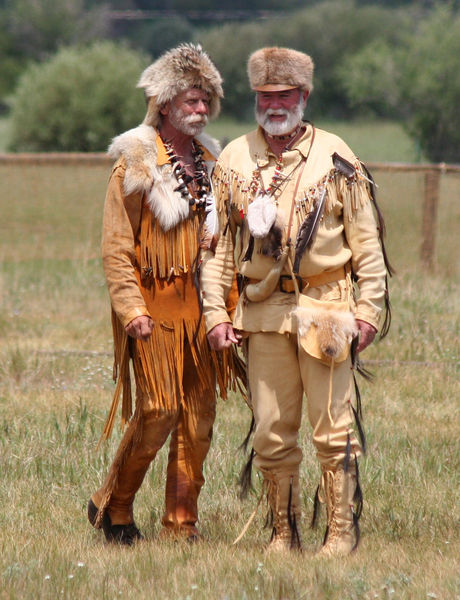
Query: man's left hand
{"points": [[366, 334]]}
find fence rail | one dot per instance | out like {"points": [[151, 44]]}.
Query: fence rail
{"points": [[431, 193]]}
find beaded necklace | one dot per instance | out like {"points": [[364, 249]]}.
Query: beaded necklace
{"points": [[184, 180], [278, 178]]}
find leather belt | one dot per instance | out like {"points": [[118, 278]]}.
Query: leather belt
{"points": [[286, 285]]}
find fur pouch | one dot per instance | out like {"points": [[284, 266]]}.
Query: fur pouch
{"points": [[325, 329]]}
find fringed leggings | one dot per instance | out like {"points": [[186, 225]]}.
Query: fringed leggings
{"points": [[190, 426]]}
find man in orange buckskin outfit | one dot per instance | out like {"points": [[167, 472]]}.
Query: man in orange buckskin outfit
{"points": [[297, 221], [155, 220]]}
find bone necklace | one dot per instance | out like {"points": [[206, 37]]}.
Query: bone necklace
{"points": [[184, 180]]}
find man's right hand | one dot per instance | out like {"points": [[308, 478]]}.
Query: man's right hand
{"points": [[223, 336], [140, 328]]}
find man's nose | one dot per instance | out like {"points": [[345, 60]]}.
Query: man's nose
{"points": [[202, 107], [275, 104]]}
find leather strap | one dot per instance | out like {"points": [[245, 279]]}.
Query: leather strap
{"points": [[304, 162], [287, 285]]}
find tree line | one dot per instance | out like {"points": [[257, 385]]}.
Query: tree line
{"points": [[68, 70]]}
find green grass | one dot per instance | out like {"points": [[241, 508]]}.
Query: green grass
{"points": [[55, 390]]}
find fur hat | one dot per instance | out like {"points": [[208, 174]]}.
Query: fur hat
{"points": [[276, 69], [176, 71]]}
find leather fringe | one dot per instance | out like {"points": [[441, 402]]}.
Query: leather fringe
{"points": [[316, 509], [292, 522], [359, 408], [122, 377], [244, 445], [357, 508], [245, 480], [164, 254], [158, 368], [346, 461], [362, 436], [382, 231], [358, 495]]}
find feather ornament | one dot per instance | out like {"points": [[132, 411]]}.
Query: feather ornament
{"points": [[307, 230], [211, 224], [346, 168], [343, 166]]}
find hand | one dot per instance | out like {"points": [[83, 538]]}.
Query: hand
{"points": [[223, 336], [366, 334], [140, 328]]}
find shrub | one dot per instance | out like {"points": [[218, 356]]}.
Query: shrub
{"points": [[78, 100]]}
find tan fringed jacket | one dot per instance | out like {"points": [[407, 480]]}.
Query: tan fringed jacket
{"points": [[150, 240], [141, 192], [347, 234]]}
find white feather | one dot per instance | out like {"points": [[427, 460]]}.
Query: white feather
{"points": [[261, 215], [212, 220]]}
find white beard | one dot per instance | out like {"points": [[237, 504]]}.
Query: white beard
{"points": [[292, 119], [191, 125]]}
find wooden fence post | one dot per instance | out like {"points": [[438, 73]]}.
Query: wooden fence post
{"points": [[429, 218]]}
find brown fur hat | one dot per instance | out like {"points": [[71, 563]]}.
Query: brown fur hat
{"points": [[176, 71], [276, 69]]}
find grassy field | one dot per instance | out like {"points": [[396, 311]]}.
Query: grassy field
{"points": [[55, 390]]}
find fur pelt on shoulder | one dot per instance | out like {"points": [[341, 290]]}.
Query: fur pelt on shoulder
{"points": [[138, 147]]}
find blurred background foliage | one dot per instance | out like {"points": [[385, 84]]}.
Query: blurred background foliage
{"points": [[68, 70]]}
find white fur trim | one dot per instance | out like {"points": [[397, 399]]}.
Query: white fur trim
{"points": [[139, 149]]}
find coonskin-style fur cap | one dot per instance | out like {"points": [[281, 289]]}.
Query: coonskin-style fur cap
{"points": [[276, 69], [176, 71]]}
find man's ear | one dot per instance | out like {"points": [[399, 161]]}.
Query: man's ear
{"points": [[164, 110], [305, 95]]}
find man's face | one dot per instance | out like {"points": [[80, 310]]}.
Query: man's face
{"points": [[279, 113], [188, 111]]}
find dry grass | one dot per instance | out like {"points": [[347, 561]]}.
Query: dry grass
{"points": [[55, 389]]}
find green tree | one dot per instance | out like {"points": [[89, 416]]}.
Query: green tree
{"points": [[33, 30], [371, 80], [415, 80], [39, 28], [156, 36], [430, 85], [78, 100], [332, 32]]}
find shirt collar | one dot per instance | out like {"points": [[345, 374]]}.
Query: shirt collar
{"points": [[261, 152]]}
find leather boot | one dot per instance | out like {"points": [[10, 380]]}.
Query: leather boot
{"points": [[130, 466], [339, 489], [283, 498]]}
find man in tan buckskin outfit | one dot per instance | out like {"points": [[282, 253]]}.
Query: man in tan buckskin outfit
{"points": [[155, 220], [294, 199]]}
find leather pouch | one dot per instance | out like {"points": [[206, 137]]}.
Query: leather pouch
{"points": [[325, 328]]}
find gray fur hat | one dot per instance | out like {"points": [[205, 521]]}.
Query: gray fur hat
{"points": [[174, 72], [275, 69]]}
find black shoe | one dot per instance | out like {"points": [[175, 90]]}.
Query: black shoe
{"points": [[92, 512], [125, 535]]}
